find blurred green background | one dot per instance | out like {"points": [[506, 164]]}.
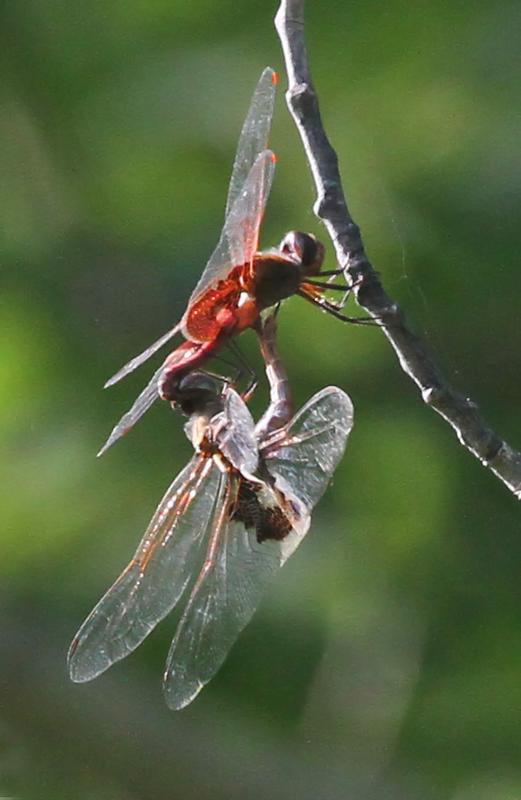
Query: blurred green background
{"points": [[386, 661]]}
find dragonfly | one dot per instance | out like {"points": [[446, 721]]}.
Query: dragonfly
{"points": [[239, 282], [224, 528]]}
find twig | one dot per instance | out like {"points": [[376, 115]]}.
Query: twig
{"points": [[417, 361]]}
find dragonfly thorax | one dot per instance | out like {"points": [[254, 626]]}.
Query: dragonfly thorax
{"points": [[275, 278], [279, 273]]}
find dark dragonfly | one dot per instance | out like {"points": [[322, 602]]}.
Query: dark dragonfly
{"points": [[225, 526]]}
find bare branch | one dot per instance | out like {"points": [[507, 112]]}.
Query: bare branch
{"points": [[415, 358]]}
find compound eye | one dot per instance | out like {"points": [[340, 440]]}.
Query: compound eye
{"points": [[196, 382], [289, 246]]}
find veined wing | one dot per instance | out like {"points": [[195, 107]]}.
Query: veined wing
{"points": [[136, 362], [238, 568], [235, 575], [252, 141], [169, 553], [141, 404], [254, 134], [240, 234], [303, 456], [237, 440]]}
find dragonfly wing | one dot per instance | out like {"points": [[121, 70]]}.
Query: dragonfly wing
{"points": [[142, 357], [244, 221], [142, 403], [238, 568], [237, 441], [305, 457], [240, 234], [169, 553], [254, 134], [237, 571]]}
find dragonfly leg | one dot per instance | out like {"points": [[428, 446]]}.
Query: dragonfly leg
{"points": [[339, 287], [329, 273], [244, 368], [332, 309]]}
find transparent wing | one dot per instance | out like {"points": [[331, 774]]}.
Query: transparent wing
{"points": [[252, 141], [142, 357], [142, 403], [169, 553], [237, 441], [238, 568], [236, 573], [304, 455], [254, 134], [240, 234]]}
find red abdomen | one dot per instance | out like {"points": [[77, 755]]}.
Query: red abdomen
{"points": [[184, 359]]}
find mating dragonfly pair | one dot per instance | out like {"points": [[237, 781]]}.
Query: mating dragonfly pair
{"points": [[242, 505]]}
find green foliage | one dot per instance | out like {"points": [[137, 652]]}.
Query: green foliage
{"points": [[388, 655]]}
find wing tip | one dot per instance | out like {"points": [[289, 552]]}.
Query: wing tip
{"points": [[78, 677], [264, 155], [113, 438], [76, 674], [84, 664], [110, 441], [178, 698], [111, 381], [272, 74]]}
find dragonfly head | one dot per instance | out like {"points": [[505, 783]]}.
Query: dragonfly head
{"points": [[305, 249], [198, 393]]}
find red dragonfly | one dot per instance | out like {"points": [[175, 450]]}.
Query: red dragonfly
{"points": [[238, 282], [230, 519]]}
